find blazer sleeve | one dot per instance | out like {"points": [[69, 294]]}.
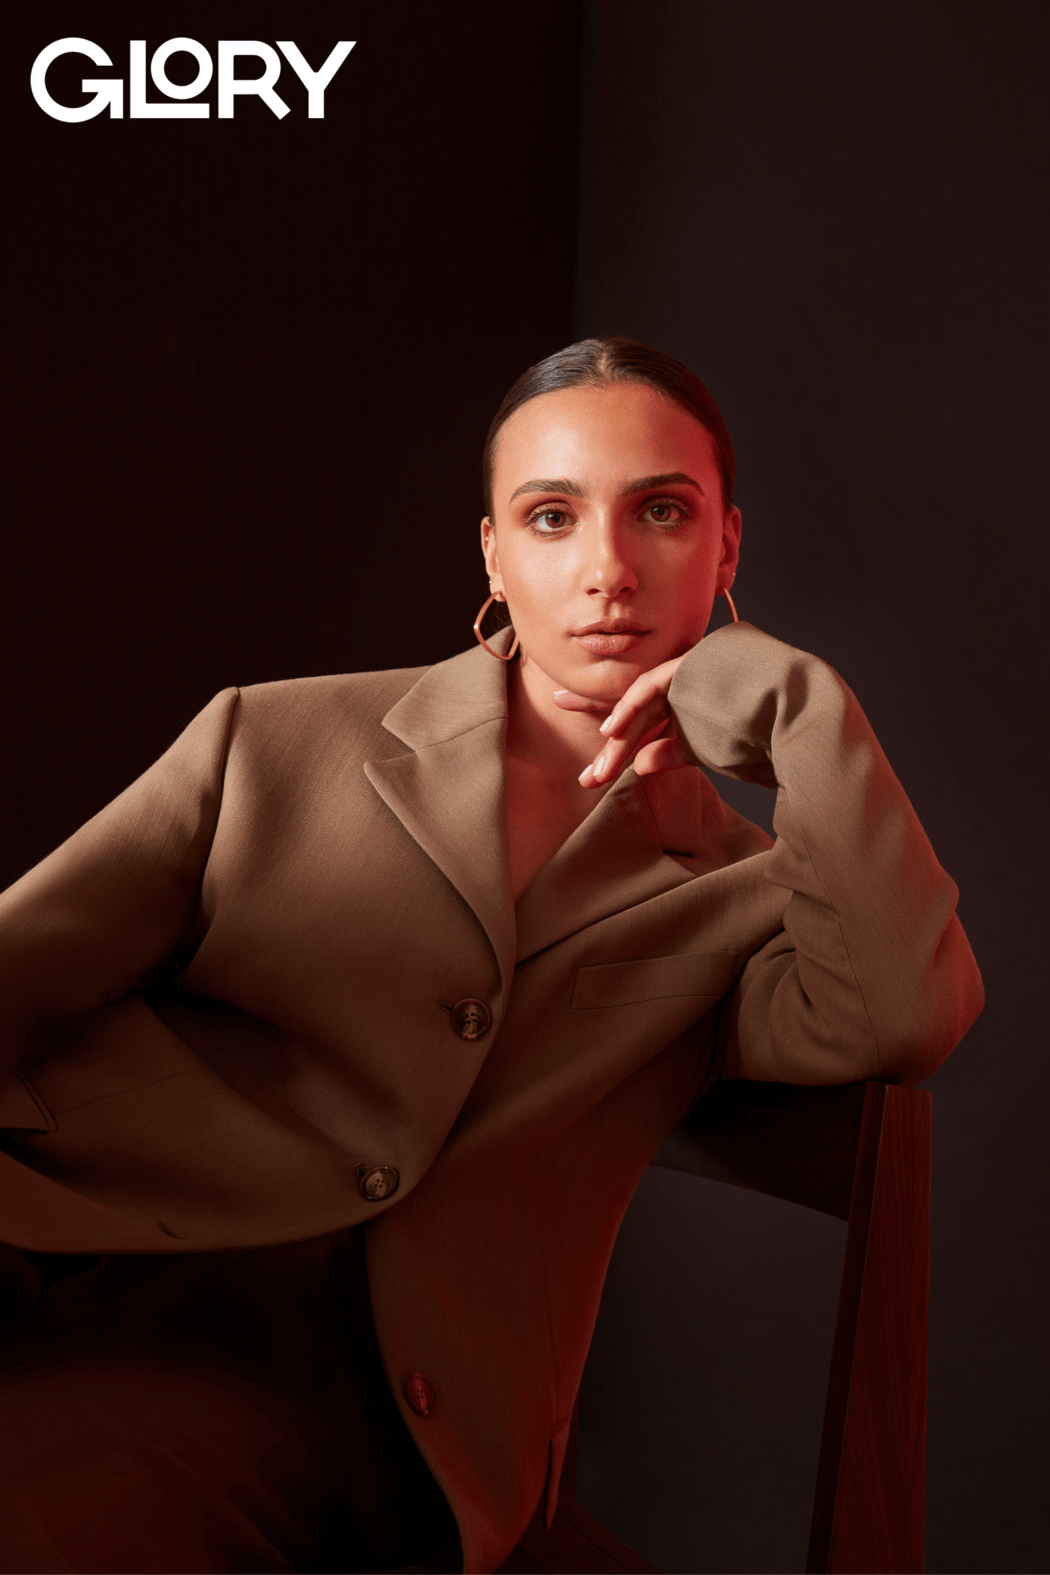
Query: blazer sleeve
{"points": [[872, 976], [101, 915]]}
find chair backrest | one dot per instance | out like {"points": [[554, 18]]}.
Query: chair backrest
{"points": [[790, 1142], [862, 1153]]}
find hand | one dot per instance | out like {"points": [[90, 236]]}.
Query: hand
{"points": [[631, 728]]}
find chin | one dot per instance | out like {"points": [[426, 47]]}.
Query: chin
{"points": [[607, 678]]}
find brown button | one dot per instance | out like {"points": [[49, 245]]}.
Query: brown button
{"points": [[471, 1018], [419, 1395], [379, 1182]]}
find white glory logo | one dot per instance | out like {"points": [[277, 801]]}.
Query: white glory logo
{"points": [[110, 90]]}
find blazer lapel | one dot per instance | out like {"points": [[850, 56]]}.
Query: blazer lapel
{"points": [[449, 792], [614, 860], [449, 795]]}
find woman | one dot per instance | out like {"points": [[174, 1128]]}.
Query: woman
{"points": [[443, 954]]}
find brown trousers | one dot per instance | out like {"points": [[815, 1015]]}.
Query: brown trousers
{"points": [[205, 1413]]}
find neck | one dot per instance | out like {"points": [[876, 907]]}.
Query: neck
{"points": [[558, 741]]}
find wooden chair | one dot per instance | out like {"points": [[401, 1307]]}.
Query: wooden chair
{"points": [[861, 1153]]}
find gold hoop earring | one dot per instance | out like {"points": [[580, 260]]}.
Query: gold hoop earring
{"points": [[481, 638], [732, 604]]}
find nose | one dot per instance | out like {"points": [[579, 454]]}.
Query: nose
{"points": [[611, 569]]}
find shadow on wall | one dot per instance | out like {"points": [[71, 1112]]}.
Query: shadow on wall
{"points": [[725, 1301], [837, 215]]}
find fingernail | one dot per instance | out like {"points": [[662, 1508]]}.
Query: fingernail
{"points": [[605, 726], [585, 775], [557, 691]]}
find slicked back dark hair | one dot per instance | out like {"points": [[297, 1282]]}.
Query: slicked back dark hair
{"points": [[597, 363]]}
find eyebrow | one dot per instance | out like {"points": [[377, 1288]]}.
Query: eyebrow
{"points": [[573, 489], [670, 478]]}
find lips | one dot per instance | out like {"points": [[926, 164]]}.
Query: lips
{"points": [[612, 626], [610, 636]]}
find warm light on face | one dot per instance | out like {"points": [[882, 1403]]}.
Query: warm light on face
{"points": [[609, 536]]}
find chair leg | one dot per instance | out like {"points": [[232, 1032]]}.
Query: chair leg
{"points": [[868, 1512]]}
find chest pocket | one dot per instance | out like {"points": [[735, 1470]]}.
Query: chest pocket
{"points": [[653, 979]]}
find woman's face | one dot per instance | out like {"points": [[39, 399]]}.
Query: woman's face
{"points": [[609, 537]]}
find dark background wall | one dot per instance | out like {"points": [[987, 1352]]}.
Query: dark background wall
{"points": [[253, 363], [837, 215]]}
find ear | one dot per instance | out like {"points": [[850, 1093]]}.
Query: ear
{"points": [[727, 563], [491, 556]]}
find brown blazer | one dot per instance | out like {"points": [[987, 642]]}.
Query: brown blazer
{"points": [[231, 991]]}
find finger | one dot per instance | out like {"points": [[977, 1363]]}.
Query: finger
{"points": [[648, 690], [663, 755], [642, 725], [616, 755], [574, 702], [639, 699]]}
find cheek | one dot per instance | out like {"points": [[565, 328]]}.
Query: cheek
{"points": [[697, 570], [688, 582], [536, 579]]}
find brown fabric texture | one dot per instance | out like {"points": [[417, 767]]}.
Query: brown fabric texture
{"points": [[232, 989]]}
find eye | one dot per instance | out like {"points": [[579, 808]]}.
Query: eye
{"points": [[550, 520], [665, 511]]}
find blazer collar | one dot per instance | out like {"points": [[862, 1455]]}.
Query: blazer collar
{"points": [[448, 792], [453, 698], [449, 795]]}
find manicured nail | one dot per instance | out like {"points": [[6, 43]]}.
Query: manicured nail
{"points": [[561, 691], [586, 776], [605, 726]]}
